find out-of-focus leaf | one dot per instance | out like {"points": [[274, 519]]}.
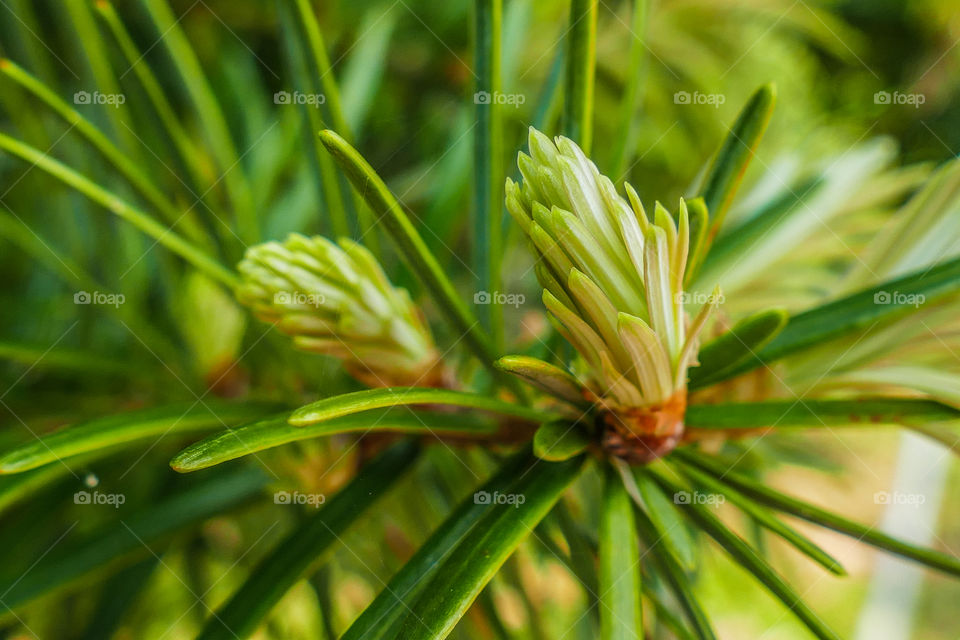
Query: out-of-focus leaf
{"points": [[116, 597], [583, 552], [276, 431], [446, 191], [855, 312], [490, 611], [581, 73], [293, 556], [725, 174], [136, 534], [193, 158], [745, 240], [743, 340], [212, 324], [621, 616], [666, 617], [349, 403], [668, 522], [782, 502], [559, 440], [818, 413], [127, 428], [323, 72], [383, 617], [124, 164], [669, 569], [125, 211], [15, 487], [322, 66], [633, 90], [914, 237], [763, 517], [947, 437], [744, 555], [783, 224], [210, 113], [478, 556], [942, 385], [364, 66], [66, 359], [37, 249], [299, 24], [97, 59]]}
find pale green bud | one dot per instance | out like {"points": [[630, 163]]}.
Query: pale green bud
{"points": [[613, 278], [336, 300]]}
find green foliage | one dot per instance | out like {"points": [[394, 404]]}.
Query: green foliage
{"points": [[676, 355], [559, 440], [620, 611], [473, 562], [385, 614], [133, 535], [294, 555], [103, 436], [726, 172], [273, 432], [743, 340], [351, 403], [855, 312]]}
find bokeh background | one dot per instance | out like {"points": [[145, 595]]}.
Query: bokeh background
{"points": [[848, 73]]}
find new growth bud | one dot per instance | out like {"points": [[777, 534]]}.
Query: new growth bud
{"points": [[336, 300], [613, 284]]}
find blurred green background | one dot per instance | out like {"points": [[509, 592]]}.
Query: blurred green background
{"points": [[404, 71]]}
